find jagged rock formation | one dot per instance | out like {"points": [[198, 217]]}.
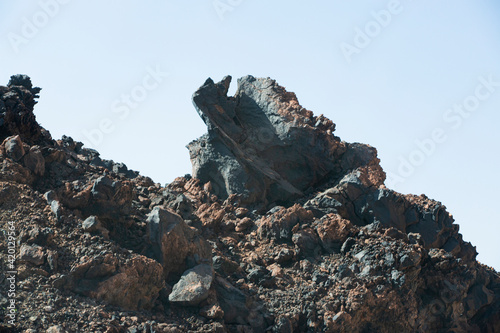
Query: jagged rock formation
{"points": [[283, 228], [16, 110], [263, 145]]}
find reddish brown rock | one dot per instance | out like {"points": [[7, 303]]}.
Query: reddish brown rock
{"points": [[333, 230], [135, 285], [35, 161], [280, 224], [32, 254], [175, 244], [130, 283]]}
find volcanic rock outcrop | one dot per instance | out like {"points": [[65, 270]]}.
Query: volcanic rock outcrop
{"points": [[283, 227], [264, 146]]}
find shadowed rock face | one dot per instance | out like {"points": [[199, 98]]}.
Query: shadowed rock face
{"points": [[264, 145], [17, 100]]}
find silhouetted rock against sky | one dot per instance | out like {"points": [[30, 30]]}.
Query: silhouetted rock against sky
{"points": [[16, 109], [263, 145]]}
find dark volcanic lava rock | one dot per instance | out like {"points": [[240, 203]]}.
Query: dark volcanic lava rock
{"points": [[16, 110], [356, 199], [264, 145]]}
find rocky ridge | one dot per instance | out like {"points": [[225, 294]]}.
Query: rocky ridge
{"points": [[282, 228]]}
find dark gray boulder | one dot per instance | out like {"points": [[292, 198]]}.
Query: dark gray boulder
{"points": [[263, 145], [17, 100], [193, 286]]}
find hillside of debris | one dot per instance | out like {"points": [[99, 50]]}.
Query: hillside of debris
{"points": [[282, 227]]}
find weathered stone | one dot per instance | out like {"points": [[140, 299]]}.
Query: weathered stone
{"points": [[135, 286], [76, 195], [284, 255], [241, 212], [52, 257], [232, 302], [131, 284], [91, 224], [33, 254], [182, 206], [193, 286], [279, 225], [175, 244], [108, 198], [14, 148], [333, 230], [12, 171], [40, 236], [18, 100], [50, 196], [34, 161], [356, 198], [307, 241], [263, 145], [348, 244], [224, 266], [210, 215], [57, 210], [244, 224]]}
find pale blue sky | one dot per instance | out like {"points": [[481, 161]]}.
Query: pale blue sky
{"points": [[422, 59]]}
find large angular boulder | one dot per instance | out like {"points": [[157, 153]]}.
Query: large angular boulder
{"points": [[130, 283], [263, 145], [193, 286], [136, 284], [13, 147], [34, 161], [176, 245]]}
